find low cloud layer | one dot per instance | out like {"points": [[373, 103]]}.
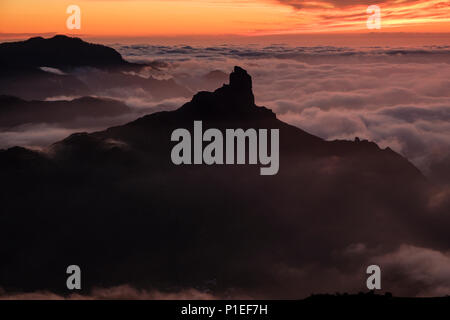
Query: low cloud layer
{"points": [[299, 4], [427, 270], [397, 97], [123, 292]]}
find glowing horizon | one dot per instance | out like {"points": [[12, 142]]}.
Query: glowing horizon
{"points": [[135, 18]]}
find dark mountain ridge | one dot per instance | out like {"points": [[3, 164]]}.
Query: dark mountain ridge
{"points": [[79, 69], [60, 52], [114, 203], [15, 111]]}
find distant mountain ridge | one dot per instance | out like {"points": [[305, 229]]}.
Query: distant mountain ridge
{"points": [[15, 111], [80, 69], [60, 52]]}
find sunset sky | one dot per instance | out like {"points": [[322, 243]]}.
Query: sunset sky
{"points": [[210, 17]]}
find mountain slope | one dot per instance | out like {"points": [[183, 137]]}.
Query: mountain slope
{"points": [[15, 111], [113, 203], [38, 68]]}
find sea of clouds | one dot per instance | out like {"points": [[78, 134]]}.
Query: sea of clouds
{"points": [[397, 97]]}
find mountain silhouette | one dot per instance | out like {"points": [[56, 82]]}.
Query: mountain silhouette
{"points": [[15, 111], [59, 52], [32, 83], [39, 68], [233, 106], [113, 203]]}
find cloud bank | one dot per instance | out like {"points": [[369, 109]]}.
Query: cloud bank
{"points": [[122, 292], [394, 96], [397, 97]]}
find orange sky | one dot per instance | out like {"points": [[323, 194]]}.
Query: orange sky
{"points": [[209, 17]]}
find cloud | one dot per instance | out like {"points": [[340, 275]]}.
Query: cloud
{"points": [[33, 135], [351, 14], [397, 97], [53, 70], [426, 270], [328, 4], [122, 292], [299, 4]]}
